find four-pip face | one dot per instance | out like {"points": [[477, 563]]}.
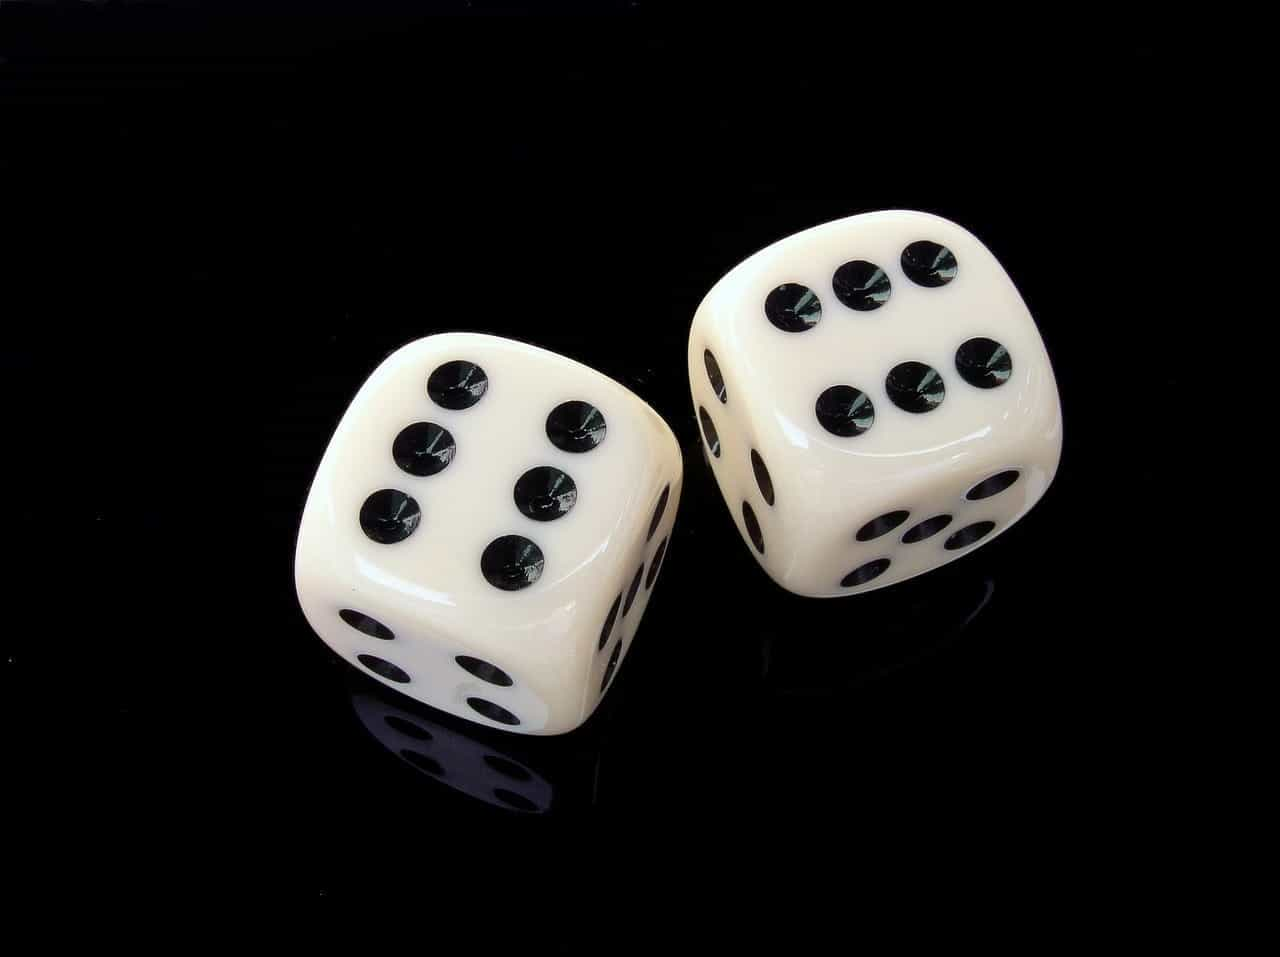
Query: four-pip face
{"points": [[485, 528], [875, 398]]}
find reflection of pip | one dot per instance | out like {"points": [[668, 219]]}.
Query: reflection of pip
{"points": [[895, 629], [470, 766]]}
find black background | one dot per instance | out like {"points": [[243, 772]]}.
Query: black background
{"points": [[216, 225]]}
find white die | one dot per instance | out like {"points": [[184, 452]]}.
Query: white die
{"points": [[840, 476], [455, 609]]}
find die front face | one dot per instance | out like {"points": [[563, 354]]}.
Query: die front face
{"points": [[476, 526], [875, 398]]}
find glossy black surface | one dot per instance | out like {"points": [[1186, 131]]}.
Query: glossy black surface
{"points": [[992, 486], [862, 285], [845, 411], [216, 226], [793, 308], [380, 666], [753, 527], [545, 493], [632, 590], [659, 511], [714, 376], [929, 264], [609, 620], [968, 535], [709, 433], [512, 562], [369, 626], [389, 516], [576, 426], [882, 525], [611, 666], [865, 573], [423, 448], [984, 363], [915, 387], [763, 481], [457, 385], [484, 671], [656, 563], [926, 529], [492, 711]]}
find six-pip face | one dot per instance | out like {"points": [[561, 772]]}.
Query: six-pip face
{"points": [[876, 400]]}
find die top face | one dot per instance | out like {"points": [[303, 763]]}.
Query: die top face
{"points": [[884, 366], [906, 309], [484, 500]]}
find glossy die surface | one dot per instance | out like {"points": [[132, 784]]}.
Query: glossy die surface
{"points": [[875, 398], [485, 527]]}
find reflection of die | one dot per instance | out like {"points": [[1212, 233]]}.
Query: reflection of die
{"points": [[485, 527], [876, 399], [897, 628], [470, 766]]}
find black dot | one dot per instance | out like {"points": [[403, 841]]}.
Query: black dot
{"points": [[370, 626], [493, 712], [658, 511], [968, 535], [389, 516], [457, 385], [397, 723], [864, 573], [631, 592], [655, 562], [659, 557], [484, 671], [915, 387], [517, 801], [926, 529], [608, 669], [993, 485], [511, 562], [385, 669], [576, 426], [713, 374], [844, 411], [793, 308], [861, 285], [420, 760], [423, 448], [984, 363], [879, 526], [709, 432], [610, 618], [762, 476], [929, 264], [545, 493], [753, 527], [508, 768]]}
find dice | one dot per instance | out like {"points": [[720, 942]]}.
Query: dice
{"points": [[485, 528], [875, 400]]}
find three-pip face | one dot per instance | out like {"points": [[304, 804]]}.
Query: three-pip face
{"points": [[485, 528], [875, 398]]}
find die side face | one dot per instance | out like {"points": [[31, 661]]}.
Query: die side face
{"points": [[479, 507], [887, 372]]}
